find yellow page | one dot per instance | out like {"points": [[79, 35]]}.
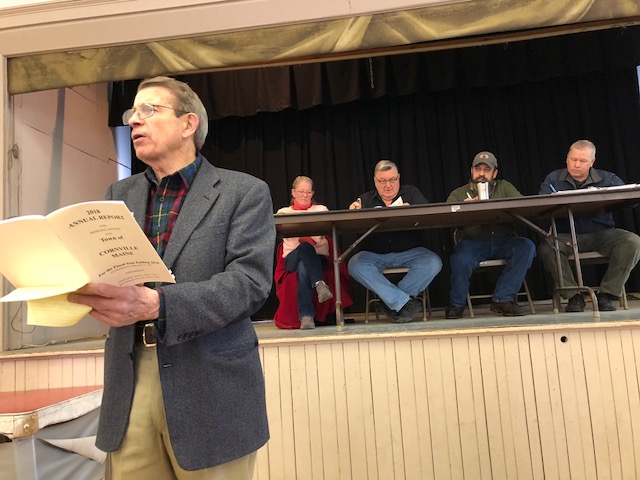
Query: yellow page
{"points": [[55, 311]]}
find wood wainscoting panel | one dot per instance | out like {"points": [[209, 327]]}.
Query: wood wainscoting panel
{"points": [[515, 403], [25, 371]]}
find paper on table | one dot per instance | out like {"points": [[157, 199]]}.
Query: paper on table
{"points": [[629, 186], [397, 203]]}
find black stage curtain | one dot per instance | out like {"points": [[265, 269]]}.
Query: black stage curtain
{"points": [[430, 113]]}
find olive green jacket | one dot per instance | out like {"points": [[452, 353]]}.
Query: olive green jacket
{"points": [[497, 189]]}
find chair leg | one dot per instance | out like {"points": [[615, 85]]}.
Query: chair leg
{"points": [[426, 292], [470, 306], [424, 306], [526, 290], [623, 299], [366, 306]]}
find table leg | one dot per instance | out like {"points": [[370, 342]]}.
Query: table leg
{"points": [[578, 274], [336, 277]]}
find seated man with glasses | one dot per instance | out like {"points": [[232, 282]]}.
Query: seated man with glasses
{"points": [[394, 249]]}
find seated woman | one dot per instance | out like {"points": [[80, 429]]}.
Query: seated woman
{"points": [[306, 256]]}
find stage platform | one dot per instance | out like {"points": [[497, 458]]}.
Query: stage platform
{"points": [[355, 325], [552, 396], [484, 319]]}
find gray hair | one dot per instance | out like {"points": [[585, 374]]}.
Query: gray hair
{"points": [[583, 145], [299, 179], [383, 166], [186, 101]]}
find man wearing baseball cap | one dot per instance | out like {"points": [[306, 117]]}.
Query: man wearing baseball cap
{"points": [[487, 158], [488, 242]]}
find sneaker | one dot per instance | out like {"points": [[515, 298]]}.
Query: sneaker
{"points": [[410, 309], [508, 309], [605, 302], [576, 303], [454, 312], [322, 289], [306, 323]]}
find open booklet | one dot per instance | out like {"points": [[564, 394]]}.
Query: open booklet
{"points": [[47, 257]]}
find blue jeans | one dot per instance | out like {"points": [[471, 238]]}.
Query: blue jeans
{"points": [[424, 265], [308, 265], [517, 251]]}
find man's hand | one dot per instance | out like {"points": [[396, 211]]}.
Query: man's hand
{"points": [[118, 306], [470, 198], [356, 205]]}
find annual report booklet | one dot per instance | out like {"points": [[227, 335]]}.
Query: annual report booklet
{"points": [[47, 257]]}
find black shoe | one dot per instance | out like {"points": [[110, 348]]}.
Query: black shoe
{"points": [[576, 303], [392, 315], [508, 309], [406, 313], [605, 302], [454, 312]]}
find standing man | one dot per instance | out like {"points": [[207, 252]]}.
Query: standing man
{"points": [[184, 388], [394, 249], [488, 242], [594, 233]]}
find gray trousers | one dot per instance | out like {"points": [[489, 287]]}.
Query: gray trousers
{"points": [[622, 248]]}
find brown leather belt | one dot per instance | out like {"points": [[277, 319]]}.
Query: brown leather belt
{"points": [[146, 333]]}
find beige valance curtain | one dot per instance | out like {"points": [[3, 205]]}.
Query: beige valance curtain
{"points": [[361, 36]]}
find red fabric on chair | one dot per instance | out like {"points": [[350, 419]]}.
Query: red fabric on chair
{"points": [[286, 315]]}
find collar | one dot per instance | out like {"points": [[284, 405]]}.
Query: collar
{"points": [[186, 174], [593, 178]]}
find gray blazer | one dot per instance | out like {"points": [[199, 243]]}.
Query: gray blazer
{"points": [[221, 253]]}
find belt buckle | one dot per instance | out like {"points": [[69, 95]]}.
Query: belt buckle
{"points": [[149, 327]]}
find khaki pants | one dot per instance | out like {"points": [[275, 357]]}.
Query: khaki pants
{"points": [[145, 452]]}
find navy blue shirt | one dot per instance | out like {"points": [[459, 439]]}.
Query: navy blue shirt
{"points": [[387, 242], [559, 180]]}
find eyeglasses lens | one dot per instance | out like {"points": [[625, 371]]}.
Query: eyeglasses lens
{"points": [[144, 111]]}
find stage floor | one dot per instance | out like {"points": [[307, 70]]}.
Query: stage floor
{"points": [[484, 320]]}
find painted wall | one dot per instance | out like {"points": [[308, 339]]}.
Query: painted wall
{"points": [[65, 154]]}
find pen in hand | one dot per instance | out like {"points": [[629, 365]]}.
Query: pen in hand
{"points": [[553, 189]]}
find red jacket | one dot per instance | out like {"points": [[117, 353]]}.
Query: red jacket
{"points": [[286, 315]]}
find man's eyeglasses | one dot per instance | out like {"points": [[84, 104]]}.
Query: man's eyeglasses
{"points": [[390, 181], [144, 110]]}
